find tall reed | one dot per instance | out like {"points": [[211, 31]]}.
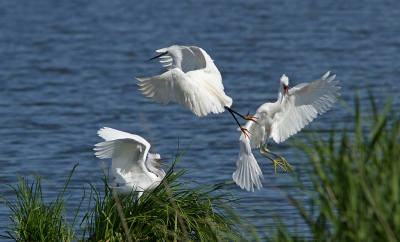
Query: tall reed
{"points": [[34, 219], [173, 211], [352, 189]]}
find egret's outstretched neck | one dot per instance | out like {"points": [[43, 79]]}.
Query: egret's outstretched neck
{"points": [[159, 172], [151, 164], [281, 95]]}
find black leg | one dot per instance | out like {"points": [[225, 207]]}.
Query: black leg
{"points": [[233, 111]]}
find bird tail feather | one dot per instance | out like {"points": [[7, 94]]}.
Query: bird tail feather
{"points": [[248, 174]]}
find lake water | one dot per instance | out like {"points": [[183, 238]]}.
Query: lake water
{"points": [[67, 69]]}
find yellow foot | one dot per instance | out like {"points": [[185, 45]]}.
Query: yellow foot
{"points": [[252, 118], [283, 164]]}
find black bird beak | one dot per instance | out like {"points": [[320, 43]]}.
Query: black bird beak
{"points": [[155, 57], [159, 161]]}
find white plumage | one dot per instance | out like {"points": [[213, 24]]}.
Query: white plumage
{"points": [[191, 80], [294, 109], [130, 169]]}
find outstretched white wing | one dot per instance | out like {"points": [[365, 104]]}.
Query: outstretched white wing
{"points": [[183, 89], [248, 174], [305, 101], [197, 85], [193, 58], [113, 134], [128, 153]]}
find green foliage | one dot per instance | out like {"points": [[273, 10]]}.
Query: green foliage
{"points": [[33, 219], [351, 193], [353, 183], [174, 211]]}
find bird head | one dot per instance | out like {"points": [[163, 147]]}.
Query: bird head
{"points": [[171, 57], [158, 56], [285, 83], [156, 159]]}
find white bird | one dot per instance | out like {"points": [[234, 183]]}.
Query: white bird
{"points": [[294, 109], [191, 80], [130, 169]]}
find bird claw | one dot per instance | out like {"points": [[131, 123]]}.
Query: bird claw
{"points": [[245, 132], [278, 163], [252, 118], [282, 163]]}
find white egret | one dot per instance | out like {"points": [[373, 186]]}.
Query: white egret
{"points": [[294, 109], [129, 168], [191, 80]]}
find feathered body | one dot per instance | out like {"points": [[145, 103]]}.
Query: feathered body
{"points": [[282, 119], [191, 79], [130, 170]]}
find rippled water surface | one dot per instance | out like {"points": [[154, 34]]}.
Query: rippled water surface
{"points": [[67, 69]]}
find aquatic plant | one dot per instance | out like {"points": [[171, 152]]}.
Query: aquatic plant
{"points": [[34, 219], [173, 211], [352, 189]]}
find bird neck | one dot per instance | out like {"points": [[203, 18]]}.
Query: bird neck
{"points": [[176, 53], [159, 172], [281, 95], [176, 62]]}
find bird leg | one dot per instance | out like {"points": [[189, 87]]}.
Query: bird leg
{"points": [[275, 162], [282, 163], [252, 118], [247, 117], [244, 130]]}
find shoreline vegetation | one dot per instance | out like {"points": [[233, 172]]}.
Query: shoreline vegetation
{"points": [[351, 193]]}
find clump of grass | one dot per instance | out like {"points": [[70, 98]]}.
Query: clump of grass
{"points": [[353, 185], [33, 218], [174, 211]]}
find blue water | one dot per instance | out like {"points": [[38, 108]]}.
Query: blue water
{"points": [[67, 69]]}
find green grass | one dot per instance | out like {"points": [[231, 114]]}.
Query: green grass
{"points": [[353, 181], [349, 192], [33, 219], [174, 211]]}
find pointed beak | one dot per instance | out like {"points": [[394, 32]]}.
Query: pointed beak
{"points": [[159, 161], [286, 90], [155, 57]]}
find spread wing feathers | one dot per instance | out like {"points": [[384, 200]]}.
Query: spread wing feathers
{"points": [[127, 157], [248, 174], [113, 134], [193, 90], [305, 101], [193, 57], [128, 153]]}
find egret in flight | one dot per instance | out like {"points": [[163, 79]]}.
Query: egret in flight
{"points": [[191, 80], [130, 169], [295, 108]]}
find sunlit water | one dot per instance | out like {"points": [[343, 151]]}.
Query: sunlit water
{"points": [[67, 69]]}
